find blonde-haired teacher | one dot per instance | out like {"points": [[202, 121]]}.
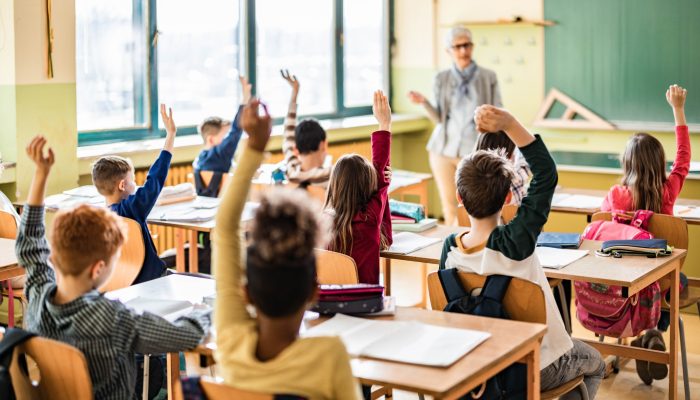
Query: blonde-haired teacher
{"points": [[459, 90]]}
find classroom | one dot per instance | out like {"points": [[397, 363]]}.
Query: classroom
{"points": [[349, 199]]}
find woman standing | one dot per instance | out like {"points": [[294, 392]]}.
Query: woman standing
{"points": [[458, 92]]}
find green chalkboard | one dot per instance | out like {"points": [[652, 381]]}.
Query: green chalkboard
{"points": [[618, 57]]}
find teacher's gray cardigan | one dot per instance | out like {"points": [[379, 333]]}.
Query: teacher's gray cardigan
{"points": [[487, 92]]}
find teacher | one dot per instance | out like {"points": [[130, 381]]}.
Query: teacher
{"points": [[459, 90]]}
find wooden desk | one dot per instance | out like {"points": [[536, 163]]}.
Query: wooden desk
{"points": [[511, 342], [632, 273], [9, 269]]}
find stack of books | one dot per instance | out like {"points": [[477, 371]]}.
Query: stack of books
{"points": [[409, 217]]}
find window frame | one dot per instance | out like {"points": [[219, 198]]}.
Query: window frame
{"points": [[247, 63]]}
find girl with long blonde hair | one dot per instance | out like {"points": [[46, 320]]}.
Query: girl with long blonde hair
{"points": [[357, 199]]}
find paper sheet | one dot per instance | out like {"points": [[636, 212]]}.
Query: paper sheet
{"points": [[687, 212], [558, 258], [581, 201], [407, 242]]}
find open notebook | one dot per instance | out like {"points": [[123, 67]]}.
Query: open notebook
{"points": [[407, 242], [558, 258], [402, 341], [581, 201]]}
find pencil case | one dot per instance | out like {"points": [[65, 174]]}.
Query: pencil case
{"points": [[349, 299], [409, 210], [648, 247]]}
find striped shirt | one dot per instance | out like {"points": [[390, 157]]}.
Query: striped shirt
{"points": [[106, 331], [316, 176]]}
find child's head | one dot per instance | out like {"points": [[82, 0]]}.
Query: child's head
{"points": [[281, 266], [214, 130], [644, 171], [86, 243], [353, 182], [483, 181], [112, 175], [495, 141], [310, 138]]}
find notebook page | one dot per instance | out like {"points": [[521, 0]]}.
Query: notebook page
{"points": [[356, 333], [558, 258], [576, 201], [407, 242]]}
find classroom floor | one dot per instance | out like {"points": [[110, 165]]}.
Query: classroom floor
{"points": [[622, 386]]}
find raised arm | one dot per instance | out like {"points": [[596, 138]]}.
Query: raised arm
{"points": [[151, 334], [290, 122], [418, 98], [675, 95], [31, 247], [518, 239], [230, 307]]}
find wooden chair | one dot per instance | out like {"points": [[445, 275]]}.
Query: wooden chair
{"points": [[675, 231], [335, 268], [8, 230], [8, 225], [214, 390], [317, 193], [507, 214], [62, 369], [524, 301], [130, 261]]}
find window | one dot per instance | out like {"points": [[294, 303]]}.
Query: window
{"points": [[189, 55]]}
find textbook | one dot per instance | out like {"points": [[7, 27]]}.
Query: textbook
{"points": [[402, 341], [407, 242], [559, 240], [558, 258]]}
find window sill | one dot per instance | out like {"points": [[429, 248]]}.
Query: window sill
{"points": [[143, 152]]}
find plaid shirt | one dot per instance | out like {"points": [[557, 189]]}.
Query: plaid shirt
{"points": [[106, 331], [317, 176]]}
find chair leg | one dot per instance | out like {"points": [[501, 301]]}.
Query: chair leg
{"points": [[565, 312], [584, 391], [684, 359], [146, 369]]}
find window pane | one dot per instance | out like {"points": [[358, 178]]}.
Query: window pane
{"points": [[110, 65], [296, 35], [364, 38], [198, 54]]}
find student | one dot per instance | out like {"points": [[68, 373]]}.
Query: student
{"points": [[357, 199], [64, 303], [499, 140], [264, 353], [221, 139], [645, 186], [114, 178], [483, 185], [305, 145]]}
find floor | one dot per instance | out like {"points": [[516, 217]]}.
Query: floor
{"points": [[624, 385]]}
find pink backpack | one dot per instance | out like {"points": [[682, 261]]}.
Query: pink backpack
{"points": [[602, 308]]}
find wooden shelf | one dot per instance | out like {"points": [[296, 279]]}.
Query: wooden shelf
{"points": [[505, 22]]}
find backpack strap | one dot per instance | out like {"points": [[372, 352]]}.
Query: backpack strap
{"points": [[12, 338], [495, 287], [211, 190], [451, 285], [448, 244]]}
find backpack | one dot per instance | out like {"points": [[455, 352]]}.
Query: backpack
{"points": [[211, 190], [604, 309], [13, 337], [511, 383]]}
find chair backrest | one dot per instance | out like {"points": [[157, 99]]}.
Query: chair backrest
{"points": [[662, 226], [524, 300], [207, 177], [131, 260], [335, 268], [507, 214], [219, 391], [317, 193], [62, 369], [8, 225]]}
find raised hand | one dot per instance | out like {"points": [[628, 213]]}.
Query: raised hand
{"points": [[416, 98], [170, 128], [492, 119], [388, 173], [35, 151], [291, 79], [675, 96], [246, 89], [257, 127], [382, 111]]}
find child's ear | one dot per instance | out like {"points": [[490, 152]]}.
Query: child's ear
{"points": [[295, 151], [122, 185], [324, 145], [459, 198], [509, 198], [97, 269]]}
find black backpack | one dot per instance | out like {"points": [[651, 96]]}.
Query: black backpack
{"points": [[211, 190], [511, 383], [13, 337]]}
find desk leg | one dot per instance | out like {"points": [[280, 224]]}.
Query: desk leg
{"points": [[673, 346], [180, 250], [423, 285], [533, 372], [10, 304], [194, 253], [174, 384], [387, 277]]}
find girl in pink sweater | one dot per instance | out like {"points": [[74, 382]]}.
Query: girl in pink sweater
{"points": [[645, 185]]}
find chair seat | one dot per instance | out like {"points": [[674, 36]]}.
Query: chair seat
{"points": [[688, 297], [561, 390]]}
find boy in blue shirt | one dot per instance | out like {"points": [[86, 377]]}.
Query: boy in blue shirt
{"points": [[221, 139], [113, 176]]}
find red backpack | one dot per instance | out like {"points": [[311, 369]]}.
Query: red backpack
{"points": [[602, 308]]}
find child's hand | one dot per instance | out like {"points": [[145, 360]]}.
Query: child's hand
{"points": [[675, 96], [246, 88], [492, 119], [168, 122], [35, 151], [257, 127], [416, 98], [388, 173], [291, 79], [382, 111]]}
